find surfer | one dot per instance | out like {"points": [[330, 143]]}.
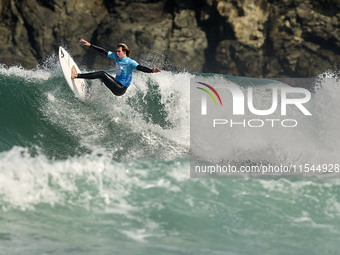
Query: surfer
{"points": [[124, 68]]}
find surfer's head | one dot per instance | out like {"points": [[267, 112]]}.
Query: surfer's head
{"points": [[124, 49]]}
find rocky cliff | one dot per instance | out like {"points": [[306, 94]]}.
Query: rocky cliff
{"points": [[254, 38]]}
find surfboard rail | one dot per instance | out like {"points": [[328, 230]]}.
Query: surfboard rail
{"points": [[79, 87]]}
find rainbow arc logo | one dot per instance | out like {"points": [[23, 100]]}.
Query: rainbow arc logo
{"points": [[209, 93], [204, 99]]}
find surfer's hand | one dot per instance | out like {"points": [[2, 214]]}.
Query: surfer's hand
{"points": [[155, 70], [86, 43]]}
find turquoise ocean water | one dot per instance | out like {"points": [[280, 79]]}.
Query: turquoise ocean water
{"points": [[111, 176]]}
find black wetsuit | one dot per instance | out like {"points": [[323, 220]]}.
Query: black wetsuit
{"points": [[116, 87]]}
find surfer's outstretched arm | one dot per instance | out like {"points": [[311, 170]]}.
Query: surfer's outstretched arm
{"points": [[99, 49], [147, 69]]}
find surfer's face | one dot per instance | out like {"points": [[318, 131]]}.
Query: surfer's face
{"points": [[120, 53]]}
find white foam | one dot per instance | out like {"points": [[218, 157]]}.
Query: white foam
{"points": [[29, 74], [92, 182]]}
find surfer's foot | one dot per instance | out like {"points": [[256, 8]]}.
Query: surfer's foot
{"points": [[74, 73]]}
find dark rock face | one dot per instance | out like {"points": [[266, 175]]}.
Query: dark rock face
{"points": [[254, 38]]}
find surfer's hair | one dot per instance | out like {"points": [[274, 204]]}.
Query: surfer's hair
{"points": [[124, 48]]}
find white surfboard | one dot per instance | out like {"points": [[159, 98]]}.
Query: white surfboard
{"points": [[79, 87]]}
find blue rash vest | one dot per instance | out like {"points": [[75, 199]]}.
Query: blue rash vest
{"points": [[124, 68]]}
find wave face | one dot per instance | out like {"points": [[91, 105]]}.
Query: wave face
{"points": [[39, 110], [112, 175]]}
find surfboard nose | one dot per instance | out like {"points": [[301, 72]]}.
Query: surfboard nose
{"points": [[61, 53]]}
